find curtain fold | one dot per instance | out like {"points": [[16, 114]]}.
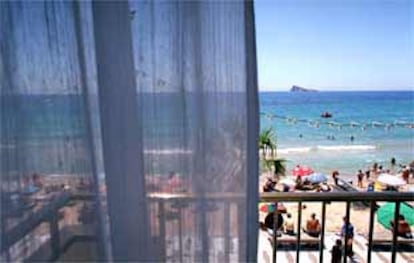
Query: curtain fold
{"points": [[148, 110]]}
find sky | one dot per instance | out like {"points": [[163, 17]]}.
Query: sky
{"points": [[335, 44]]}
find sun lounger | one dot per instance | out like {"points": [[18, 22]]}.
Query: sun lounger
{"points": [[290, 241], [400, 240], [386, 245], [383, 241]]}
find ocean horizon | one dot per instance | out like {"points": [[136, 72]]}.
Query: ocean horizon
{"points": [[410, 89]]}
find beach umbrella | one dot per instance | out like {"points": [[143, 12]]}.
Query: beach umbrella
{"points": [[302, 171], [317, 178], [270, 207], [391, 180], [385, 214]]}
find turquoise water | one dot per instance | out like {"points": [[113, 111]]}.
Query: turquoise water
{"points": [[379, 130]]}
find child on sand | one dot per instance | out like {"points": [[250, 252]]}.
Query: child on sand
{"points": [[337, 252]]}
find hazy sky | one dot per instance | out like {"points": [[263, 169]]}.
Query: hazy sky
{"points": [[335, 44]]}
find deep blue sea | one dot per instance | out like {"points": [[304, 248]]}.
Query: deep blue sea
{"points": [[377, 121]]}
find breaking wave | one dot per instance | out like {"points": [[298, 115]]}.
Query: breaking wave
{"points": [[326, 148]]}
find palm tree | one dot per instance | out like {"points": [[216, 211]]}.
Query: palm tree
{"points": [[267, 142], [279, 166]]}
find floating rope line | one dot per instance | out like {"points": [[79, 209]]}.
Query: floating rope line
{"points": [[333, 124]]}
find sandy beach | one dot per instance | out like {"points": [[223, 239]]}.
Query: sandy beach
{"points": [[335, 211]]}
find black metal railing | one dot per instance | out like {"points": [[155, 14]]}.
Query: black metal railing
{"points": [[348, 198], [47, 212], [183, 204], [226, 202]]}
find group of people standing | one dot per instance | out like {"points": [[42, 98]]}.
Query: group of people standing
{"points": [[378, 169], [375, 170], [347, 235]]}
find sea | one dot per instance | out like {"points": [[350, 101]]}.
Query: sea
{"points": [[366, 127], [46, 133]]}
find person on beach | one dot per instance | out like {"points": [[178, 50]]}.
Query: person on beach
{"points": [[335, 175], [403, 228], [174, 183], [367, 174], [370, 187], [324, 187], [337, 252], [375, 168], [313, 227], [299, 183], [304, 185], [289, 225], [350, 232], [270, 221], [37, 181], [270, 185], [405, 174], [286, 188], [393, 161], [380, 169], [360, 176]]}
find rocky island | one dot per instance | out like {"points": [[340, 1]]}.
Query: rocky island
{"points": [[301, 89]]}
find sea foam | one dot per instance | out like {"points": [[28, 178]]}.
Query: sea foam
{"points": [[326, 148], [361, 147], [294, 150]]}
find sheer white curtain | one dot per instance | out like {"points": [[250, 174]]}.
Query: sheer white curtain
{"points": [[45, 130], [193, 83], [154, 104]]}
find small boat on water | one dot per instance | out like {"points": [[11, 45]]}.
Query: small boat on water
{"points": [[326, 114]]}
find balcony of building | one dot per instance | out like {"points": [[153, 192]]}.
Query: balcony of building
{"points": [[62, 228]]}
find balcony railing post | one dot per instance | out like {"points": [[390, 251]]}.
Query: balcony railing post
{"points": [[394, 232], [241, 223], [54, 235], [226, 230], [299, 231], [275, 224], [161, 215], [371, 229], [321, 243], [180, 231], [347, 222]]}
